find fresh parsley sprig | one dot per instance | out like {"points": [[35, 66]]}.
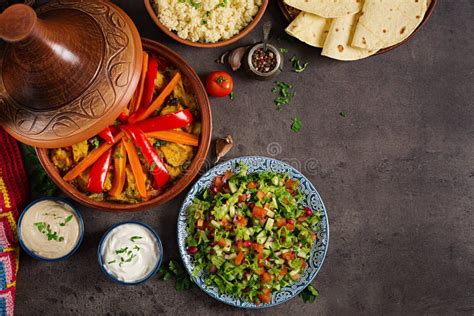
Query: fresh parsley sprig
{"points": [[174, 270], [309, 294], [284, 92], [40, 182], [297, 66]]}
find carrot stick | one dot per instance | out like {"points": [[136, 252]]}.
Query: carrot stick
{"points": [[120, 162], [175, 137], [137, 97], [90, 159], [136, 167], [145, 113]]}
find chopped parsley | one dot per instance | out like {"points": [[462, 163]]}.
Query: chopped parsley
{"points": [[309, 294], [133, 238], [121, 250], [283, 50], [176, 271], [46, 230], [94, 142], [343, 114], [232, 96], [296, 64], [283, 89], [66, 220], [296, 125]]}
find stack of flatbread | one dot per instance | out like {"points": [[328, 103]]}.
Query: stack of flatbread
{"points": [[355, 29]]}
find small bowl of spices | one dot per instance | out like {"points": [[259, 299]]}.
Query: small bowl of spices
{"points": [[263, 61]]}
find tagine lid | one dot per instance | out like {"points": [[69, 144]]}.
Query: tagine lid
{"points": [[66, 71]]}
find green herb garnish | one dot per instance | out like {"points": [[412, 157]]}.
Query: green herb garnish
{"points": [[118, 155], [121, 250], [66, 220], [283, 89], [297, 67], [174, 270], [296, 125], [343, 114], [232, 96], [95, 142], [153, 166], [110, 262], [309, 294], [41, 183], [46, 230], [283, 50], [133, 238]]}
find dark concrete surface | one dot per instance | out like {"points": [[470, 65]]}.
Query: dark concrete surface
{"points": [[397, 177]]}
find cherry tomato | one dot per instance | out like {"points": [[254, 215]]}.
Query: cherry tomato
{"points": [[219, 84]]}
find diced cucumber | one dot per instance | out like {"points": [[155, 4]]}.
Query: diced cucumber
{"points": [[268, 243], [279, 261], [270, 213], [294, 272], [275, 180], [274, 202], [261, 237], [232, 211], [302, 254], [269, 224], [233, 187], [215, 224]]}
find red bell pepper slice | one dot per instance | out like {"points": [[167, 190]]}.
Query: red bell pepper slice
{"points": [[149, 87], [166, 122], [107, 135], [99, 172], [156, 166]]}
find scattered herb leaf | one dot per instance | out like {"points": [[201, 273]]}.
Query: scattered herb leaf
{"points": [[296, 64], [296, 125], [283, 89], [309, 294], [133, 238], [95, 142], [40, 182], [232, 96], [343, 114], [175, 270], [283, 50], [122, 250]]}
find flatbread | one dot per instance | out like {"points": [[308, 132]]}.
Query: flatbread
{"points": [[327, 8], [338, 41], [386, 23], [309, 28]]}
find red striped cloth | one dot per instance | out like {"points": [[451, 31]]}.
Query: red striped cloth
{"points": [[13, 197]]}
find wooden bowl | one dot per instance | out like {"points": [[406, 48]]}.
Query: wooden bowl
{"points": [[290, 14], [242, 34], [200, 157]]}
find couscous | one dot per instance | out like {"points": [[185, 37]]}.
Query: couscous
{"points": [[206, 21]]}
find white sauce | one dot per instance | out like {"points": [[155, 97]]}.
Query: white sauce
{"points": [[130, 252], [50, 229]]}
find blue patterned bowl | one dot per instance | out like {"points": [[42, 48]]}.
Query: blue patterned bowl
{"points": [[312, 200]]}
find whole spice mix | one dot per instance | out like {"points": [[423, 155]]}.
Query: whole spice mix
{"points": [[264, 60]]}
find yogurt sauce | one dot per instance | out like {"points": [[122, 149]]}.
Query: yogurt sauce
{"points": [[130, 252], [50, 229]]}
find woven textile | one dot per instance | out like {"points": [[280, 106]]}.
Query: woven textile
{"points": [[13, 196]]}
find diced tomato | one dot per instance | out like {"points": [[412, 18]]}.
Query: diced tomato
{"points": [[265, 296], [260, 195], [302, 219], [221, 242], [243, 198], [266, 277], [251, 185], [258, 248], [260, 271], [283, 271], [281, 222], [314, 236], [295, 277], [224, 222], [290, 255], [291, 186], [308, 211], [259, 212], [247, 244], [213, 269], [200, 224], [239, 258], [218, 183], [227, 175], [242, 221], [303, 263], [290, 226]]}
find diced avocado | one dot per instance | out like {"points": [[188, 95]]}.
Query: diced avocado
{"points": [[233, 187], [269, 224]]}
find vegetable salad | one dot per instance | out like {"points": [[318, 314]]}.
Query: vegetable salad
{"points": [[250, 233]]}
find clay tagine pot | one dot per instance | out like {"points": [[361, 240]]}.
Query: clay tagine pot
{"points": [[66, 70]]}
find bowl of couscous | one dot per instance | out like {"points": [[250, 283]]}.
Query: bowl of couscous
{"points": [[208, 23]]}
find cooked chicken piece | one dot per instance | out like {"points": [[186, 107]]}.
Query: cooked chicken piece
{"points": [[174, 171], [82, 180], [176, 154], [61, 158], [80, 150], [179, 93], [171, 109]]}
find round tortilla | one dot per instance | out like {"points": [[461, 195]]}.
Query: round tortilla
{"points": [[338, 41], [327, 8], [310, 29], [385, 23]]}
